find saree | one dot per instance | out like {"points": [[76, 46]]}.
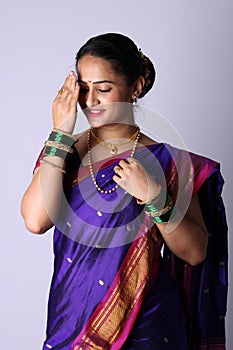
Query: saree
{"points": [[113, 286]]}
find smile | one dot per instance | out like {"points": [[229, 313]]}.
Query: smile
{"points": [[94, 112]]}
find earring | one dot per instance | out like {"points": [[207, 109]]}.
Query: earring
{"points": [[134, 98]]}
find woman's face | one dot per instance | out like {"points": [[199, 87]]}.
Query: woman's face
{"points": [[104, 95]]}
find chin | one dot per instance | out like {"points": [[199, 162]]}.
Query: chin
{"points": [[105, 119], [95, 123]]}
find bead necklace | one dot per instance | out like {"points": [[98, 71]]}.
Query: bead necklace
{"points": [[114, 146], [91, 165]]}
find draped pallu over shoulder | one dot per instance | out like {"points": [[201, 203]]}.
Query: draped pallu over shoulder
{"points": [[204, 287]]}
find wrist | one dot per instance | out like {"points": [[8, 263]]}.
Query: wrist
{"points": [[66, 126], [161, 209], [152, 196]]}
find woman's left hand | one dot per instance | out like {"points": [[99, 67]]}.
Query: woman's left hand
{"points": [[135, 179]]}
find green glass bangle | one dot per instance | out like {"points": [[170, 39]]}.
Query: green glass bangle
{"points": [[158, 204], [163, 211], [59, 137], [154, 207], [165, 218], [53, 151]]}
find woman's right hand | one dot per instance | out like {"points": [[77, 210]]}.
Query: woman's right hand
{"points": [[65, 105]]}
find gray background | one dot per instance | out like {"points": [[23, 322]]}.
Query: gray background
{"points": [[191, 44]]}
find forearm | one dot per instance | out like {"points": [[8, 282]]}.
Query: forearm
{"points": [[41, 201], [187, 240]]}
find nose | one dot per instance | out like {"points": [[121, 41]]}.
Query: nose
{"points": [[91, 98]]}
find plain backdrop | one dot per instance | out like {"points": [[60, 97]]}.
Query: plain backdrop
{"points": [[191, 45]]}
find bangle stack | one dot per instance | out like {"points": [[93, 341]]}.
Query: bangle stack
{"points": [[160, 208], [59, 144], [54, 166]]}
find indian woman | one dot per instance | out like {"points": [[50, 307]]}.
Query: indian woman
{"points": [[140, 235]]}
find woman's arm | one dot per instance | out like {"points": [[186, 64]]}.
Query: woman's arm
{"points": [[41, 201], [189, 238]]}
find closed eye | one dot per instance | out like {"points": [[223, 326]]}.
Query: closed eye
{"points": [[105, 90]]}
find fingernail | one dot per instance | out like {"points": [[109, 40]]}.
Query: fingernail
{"points": [[71, 73]]}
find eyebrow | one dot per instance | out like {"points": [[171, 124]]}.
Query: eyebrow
{"points": [[97, 82]]}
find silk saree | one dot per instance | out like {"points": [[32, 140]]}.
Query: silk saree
{"points": [[115, 283]]}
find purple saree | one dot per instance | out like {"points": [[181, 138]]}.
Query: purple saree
{"points": [[111, 288]]}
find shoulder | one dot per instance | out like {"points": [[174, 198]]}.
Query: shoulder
{"points": [[192, 167], [186, 156], [146, 140]]}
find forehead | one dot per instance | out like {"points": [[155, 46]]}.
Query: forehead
{"points": [[96, 68]]}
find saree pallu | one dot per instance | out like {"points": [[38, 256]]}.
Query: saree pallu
{"points": [[111, 288]]}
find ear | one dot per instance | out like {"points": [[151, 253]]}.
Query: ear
{"points": [[137, 87]]}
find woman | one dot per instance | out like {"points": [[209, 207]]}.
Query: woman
{"points": [[116, 198]]}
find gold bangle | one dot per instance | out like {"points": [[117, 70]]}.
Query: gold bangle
{"points": [[64, 133], [59, 145], [163, 211], [53, 166]]}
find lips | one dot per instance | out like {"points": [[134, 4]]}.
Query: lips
{"points": [[94, 112]]}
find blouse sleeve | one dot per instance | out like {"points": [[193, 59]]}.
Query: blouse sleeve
{"points": [[37, 164]]}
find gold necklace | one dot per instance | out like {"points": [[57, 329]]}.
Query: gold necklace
{"points": [[91, 165], [114, 146]]}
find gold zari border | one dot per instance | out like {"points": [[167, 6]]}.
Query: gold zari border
{"points": [[138, 270]]}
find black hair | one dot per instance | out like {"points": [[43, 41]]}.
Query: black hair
{"points": [[125, 57]]}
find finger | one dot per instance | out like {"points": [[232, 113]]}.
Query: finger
{"points": [[66, 83], [117, 179], [70, 79], [63, 89], [123, 164], [71, 83], [73, 107], [117, 170], [72, 98], [75, 94], [121, 182], [130, 160], [62, 94], [125, 185]]}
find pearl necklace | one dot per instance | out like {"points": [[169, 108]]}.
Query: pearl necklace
{"points": [[91, 165], [114, 146]]}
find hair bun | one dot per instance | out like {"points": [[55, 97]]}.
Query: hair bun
{"points": [[149, 73]]}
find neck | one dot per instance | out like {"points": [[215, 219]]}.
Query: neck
{"points": [[115, 131]]}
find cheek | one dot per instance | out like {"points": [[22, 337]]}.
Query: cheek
{"points": [[124, 96], [117, 97]]}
